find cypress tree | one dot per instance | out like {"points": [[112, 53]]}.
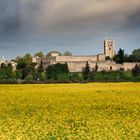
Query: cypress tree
{"points": [[86, 72]]}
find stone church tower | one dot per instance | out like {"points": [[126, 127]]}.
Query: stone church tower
{"points": [[109, 48]]}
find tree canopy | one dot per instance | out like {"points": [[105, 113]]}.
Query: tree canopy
{"points": [[39, 54], [67, 53], [136, 54], [27, 58], [119, 57], [53, 71], [49, 53]]}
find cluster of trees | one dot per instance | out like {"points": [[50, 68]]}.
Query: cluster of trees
{"points": [[121, 57], [26, 69], [6, 72]]}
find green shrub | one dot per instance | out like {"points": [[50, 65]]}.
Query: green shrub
{"points": [[43, 76], [76, 77], [63, 77]]}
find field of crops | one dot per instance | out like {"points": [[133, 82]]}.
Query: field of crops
{"points": [[106, 111]]}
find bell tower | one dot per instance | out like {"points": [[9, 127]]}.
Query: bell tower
{"points": [[109, 48]]}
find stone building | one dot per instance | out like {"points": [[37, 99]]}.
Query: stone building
{"points": [[77, 63], [6, 62]]}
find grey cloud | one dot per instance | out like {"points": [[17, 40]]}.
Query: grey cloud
{"points": [[77, 25], [70, 16], [61, 17], [133, 21], [9, 16]]}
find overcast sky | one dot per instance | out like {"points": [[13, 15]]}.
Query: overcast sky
{"points": [[79, 26]]}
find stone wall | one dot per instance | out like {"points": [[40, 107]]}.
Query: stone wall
{"points": [[75, 58], [100, 57], [102, 66], [78, 66], [77, 63], [129, 66]]}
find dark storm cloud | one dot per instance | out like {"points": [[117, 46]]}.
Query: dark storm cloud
{"points": [[70, 17], [133, 21], [64, 23], [9, 16], [9, 24], [67, 16]]}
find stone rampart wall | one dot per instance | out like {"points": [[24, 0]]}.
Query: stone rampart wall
{"points": [[77, 63], [106, 66], [75, 58]]}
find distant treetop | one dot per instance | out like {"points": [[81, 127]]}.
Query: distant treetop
{"points": [[67, 53], [39, 54], [50, 53]]}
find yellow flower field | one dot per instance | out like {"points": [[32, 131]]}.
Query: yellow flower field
{"points": [[100, 111]]}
